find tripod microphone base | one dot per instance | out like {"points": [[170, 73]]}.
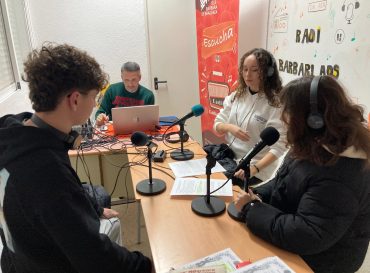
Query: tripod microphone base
{"points": [[182, 155], [146, 188], [215, 206], [234, 213]]}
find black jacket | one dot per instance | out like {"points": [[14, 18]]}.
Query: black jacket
{"points": [[54, 226], [320, 213]]}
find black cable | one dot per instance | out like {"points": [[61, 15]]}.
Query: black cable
{"points": [[220, 187]]}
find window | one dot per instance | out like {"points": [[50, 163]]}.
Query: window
{"points": [[14, 45], [6, 69]]}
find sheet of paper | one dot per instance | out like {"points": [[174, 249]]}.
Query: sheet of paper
{"points": [[198, 186], [193, 167], [225, 257], [205, 269], [266, 265]]}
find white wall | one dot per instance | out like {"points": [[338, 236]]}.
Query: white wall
{"points": [[115, 31], [112, 31], [253, 18]]}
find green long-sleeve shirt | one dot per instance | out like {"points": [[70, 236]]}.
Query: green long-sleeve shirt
{"points": [[117, 96]]}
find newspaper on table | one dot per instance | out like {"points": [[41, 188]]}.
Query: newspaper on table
{"points": [[225, 260], [266, 265], [205, 269]]}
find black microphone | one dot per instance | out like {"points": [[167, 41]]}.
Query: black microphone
{"points": [[268, 136], [141, 139], [151, 186], [196, 110]]}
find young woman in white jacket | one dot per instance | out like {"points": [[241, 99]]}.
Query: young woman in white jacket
{"points": [[250, 109]]}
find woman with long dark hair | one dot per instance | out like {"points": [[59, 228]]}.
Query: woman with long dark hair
{"points": [[318, 204], [250, 109]]}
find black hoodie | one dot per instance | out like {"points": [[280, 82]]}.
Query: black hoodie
{"points": [[54, 226]]}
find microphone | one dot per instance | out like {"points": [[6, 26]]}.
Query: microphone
{"points": [[268, 136], [150, 186], [185, 154], [140, 139], [196, 111], [208, 205]]}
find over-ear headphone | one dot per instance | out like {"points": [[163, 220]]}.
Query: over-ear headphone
{"points": [[73, 139], [271, 68], [315, 119], [357, 5], [185, 137]]}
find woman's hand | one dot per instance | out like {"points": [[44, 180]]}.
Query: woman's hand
{"points": [[244, 198], [238, 132], [240, 174], [235, 130], [109, 213]]}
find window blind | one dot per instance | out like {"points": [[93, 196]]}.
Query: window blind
{"points": [[6, 69]]}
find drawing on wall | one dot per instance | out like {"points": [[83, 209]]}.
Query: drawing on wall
{"points": [[323, 38], [339, 36], [315, 5], [349, 8], [280, 20]]}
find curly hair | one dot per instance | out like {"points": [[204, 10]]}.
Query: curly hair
{"points": [[271, 85], [344, 121], [55, 70]]}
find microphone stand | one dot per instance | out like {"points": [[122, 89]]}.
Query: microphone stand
{"points": [[208, 205], [231, 209], [151, 186], [182, 154]]}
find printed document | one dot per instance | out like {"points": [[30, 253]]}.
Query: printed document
{"points": [[193, 167], [266, 265], [198, 186], [227, 258]]}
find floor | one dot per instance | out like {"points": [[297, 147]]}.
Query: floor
{"points": [[128, 217]]}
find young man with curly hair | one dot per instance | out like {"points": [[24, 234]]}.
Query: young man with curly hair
{"points": [[51, 224]]}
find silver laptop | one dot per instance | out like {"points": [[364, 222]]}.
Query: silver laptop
{"points": [[127, 120]]}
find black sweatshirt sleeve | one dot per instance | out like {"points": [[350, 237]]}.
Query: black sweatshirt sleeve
{"points": [[325, 212]]}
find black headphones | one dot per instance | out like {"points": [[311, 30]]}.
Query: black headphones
{"points": [[357, 5], [315, 119], [185, 137], [73, 139]]}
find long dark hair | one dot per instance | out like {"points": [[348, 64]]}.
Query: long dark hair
{"points": [[344, 121], [271, 85]]}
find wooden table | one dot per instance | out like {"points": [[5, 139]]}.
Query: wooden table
{"points": [[178, 236]]}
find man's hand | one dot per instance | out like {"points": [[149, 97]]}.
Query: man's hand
{"points": [[101, 119], [109, 213]]}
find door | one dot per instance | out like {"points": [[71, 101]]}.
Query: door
{"points": [[173, 58]]}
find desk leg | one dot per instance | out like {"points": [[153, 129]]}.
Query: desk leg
{"points": [[138, 221]]}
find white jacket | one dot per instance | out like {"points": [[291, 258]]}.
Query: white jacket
{"points": [[253, 113]]}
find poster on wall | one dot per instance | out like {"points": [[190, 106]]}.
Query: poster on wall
{"points": [[217, 44], [323, 37]]}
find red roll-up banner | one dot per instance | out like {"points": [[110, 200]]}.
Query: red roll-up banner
{"points": [[217, 41]]}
